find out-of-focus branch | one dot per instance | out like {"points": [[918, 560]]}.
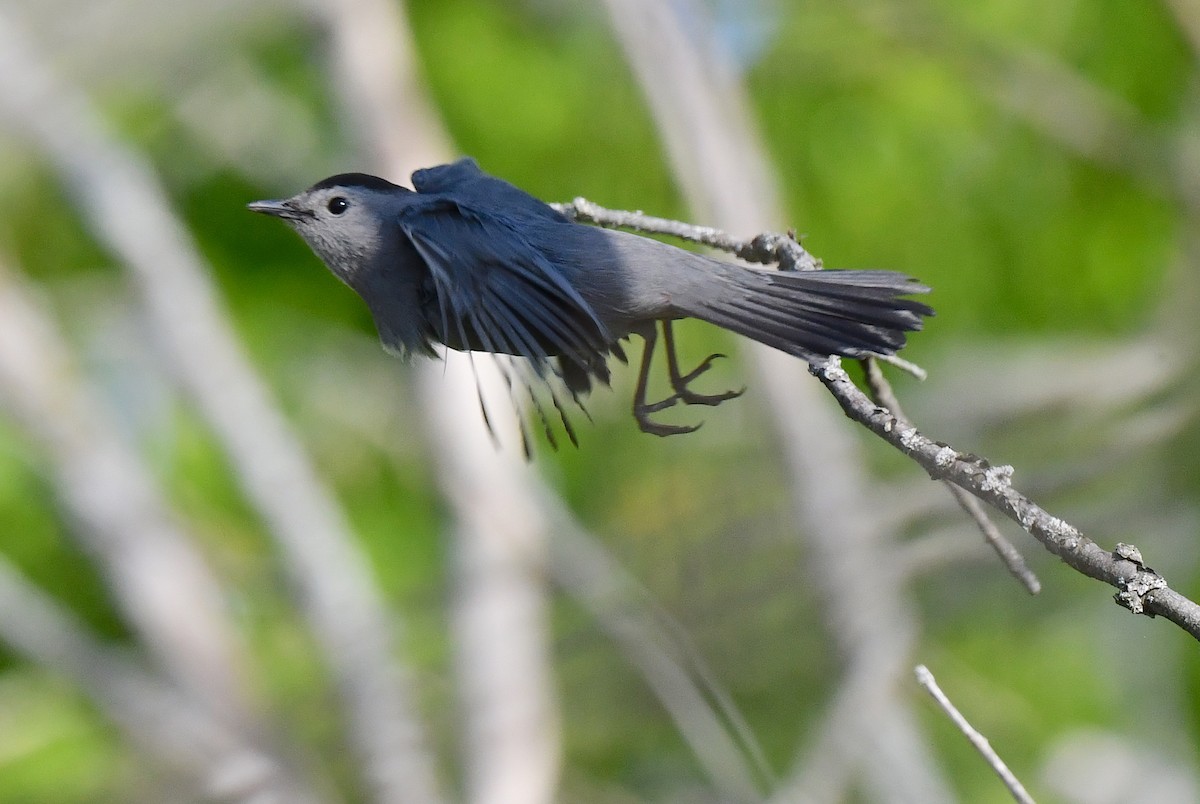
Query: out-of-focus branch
{"points": [[1051, 96], [509, 708], [215, 759], [160, 581], [1066, 107], [1187, 16], [980, 743], [123, 203], [654, 643], [388, 112], [719, 160], [579, 563], [503, 659]]}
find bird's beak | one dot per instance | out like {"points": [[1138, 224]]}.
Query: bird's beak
{"points": [[280, 209]]}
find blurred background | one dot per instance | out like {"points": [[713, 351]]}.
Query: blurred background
{"points": [[243, 556]]}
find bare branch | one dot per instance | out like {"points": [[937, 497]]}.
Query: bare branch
{"points": [[1140, 589], [1008, 553], [509, 709], [881, 391], [769, 248], [981, 744], [128, 210]]}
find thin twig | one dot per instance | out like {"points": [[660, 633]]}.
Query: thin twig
{"points": [[1007, 551], [926, 680], [881, 392], [907, 366], [769, 248]]}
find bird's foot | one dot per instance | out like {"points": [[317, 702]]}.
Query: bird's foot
{"points": [[689, 397]]}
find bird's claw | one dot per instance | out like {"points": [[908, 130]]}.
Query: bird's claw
{"points": [[689, 397], [648, 425]]}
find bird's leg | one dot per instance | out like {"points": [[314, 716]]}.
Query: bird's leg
{"points": [[643, 409], [639, 400], [679, 383]]}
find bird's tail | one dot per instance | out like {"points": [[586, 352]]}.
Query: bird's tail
{"points": [[811, 314]]}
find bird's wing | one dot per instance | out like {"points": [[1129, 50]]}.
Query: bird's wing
{"points": [[496, 291], [441, 178], [470, 185]]}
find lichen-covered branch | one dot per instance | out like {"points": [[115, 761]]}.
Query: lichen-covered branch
{"points": [[882, 393], [1140, 589], [769, 248]]}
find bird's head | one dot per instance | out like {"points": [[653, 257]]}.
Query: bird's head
{"points": [[347, 220]]}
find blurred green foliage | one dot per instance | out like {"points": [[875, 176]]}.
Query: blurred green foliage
{"points": [[891, 153]]}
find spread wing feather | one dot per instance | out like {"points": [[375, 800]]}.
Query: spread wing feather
{"points": [[496, 292], [482, 262]]}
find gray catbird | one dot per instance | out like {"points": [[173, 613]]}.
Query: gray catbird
{"points": [[469, 260]]}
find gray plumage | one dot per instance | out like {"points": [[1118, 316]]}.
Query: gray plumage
{"points": [[470, 261]]}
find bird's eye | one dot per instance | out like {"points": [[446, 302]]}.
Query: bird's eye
{"points": [[337, 205]]}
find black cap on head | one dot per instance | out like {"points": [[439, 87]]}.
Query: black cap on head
{"points": [[364, 180]]}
